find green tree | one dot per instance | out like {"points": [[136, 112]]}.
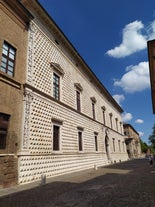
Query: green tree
{"points": [[152, 138], [144, 146]]}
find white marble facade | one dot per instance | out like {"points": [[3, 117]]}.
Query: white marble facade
{"points": [[41, 111]]}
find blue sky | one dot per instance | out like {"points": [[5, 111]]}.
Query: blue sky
{"points": [[111, 36]]}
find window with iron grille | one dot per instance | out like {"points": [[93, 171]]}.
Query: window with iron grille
{"points": [[78, 101], [56, 134], [8, 59], [4, 122], [56, 88]]}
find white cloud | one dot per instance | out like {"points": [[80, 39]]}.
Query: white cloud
{"points": [[126, 117], [132, 41], [139, 121], [151, 31], [135, 79], [141, 134], [119, 98]]}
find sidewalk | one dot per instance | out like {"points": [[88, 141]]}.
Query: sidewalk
{"points": [[127, 184]]}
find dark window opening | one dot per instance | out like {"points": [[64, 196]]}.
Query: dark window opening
{"points": [[80, 140], [93, 109], [4, 122], [56, 130], [96, 145], [78, 101]]}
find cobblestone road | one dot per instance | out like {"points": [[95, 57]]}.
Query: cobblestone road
{"points": [[127, 184]]}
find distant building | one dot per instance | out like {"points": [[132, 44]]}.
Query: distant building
{"points": [[56, 117], [151, 55], [132, 141]]}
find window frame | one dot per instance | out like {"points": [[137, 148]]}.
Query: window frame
{"points": [[4, 126], [9, 62], [96, 142], [80, 140], [56, 140], [78, 100], [56, 86], [58, 124]]}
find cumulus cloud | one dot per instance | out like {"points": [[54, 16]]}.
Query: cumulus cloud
{"points": [[119, 98], [135, 79], [126, 117], [139, 121], [141, 134], [132, 41], [151, 31]]}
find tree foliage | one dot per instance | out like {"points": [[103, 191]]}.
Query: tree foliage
{"points": [[152, 137], [144, 146]]}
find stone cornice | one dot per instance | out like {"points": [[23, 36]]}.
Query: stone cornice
{"points": [[19, 10]]}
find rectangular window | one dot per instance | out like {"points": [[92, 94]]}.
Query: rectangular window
{"points": [[4, 122], [56, 137], [56, 84], [116, 124], [119, 145], [110, 115], [93, 109], [78, 101], [8, 59], [104, 118], [80, 141], [113, 141], [96, 144]]}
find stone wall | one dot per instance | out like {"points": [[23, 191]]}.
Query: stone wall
{"points": [[8, 172]]}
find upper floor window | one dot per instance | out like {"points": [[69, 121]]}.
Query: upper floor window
{"points": [[93, 109], [58, 74], [4, 121], [110, 115], [79, 89], [103, 111], [113, 142], [121, 127], [93, 106], [96, 141], [8, 59], [116, 120], [119, 145], [78, 103], [56, 86]]}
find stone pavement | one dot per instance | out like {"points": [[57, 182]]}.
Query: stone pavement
{"points": [[126, 184]]}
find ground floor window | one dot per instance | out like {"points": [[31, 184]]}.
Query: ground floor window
{"points": [[80, 141], [96, 143], [56, 138], [4, 122]]}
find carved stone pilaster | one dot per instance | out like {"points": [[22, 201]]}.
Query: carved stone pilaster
{"points": [[28, 98], [30, 52]]}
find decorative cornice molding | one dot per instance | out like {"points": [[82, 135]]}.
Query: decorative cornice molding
{"points": [[78, 86], [93, 99], [58, 68]]}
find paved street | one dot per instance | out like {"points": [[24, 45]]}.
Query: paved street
{"points": [[127, 184]]}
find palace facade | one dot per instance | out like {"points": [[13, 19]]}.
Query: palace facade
{"points": [[56, 117]]}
